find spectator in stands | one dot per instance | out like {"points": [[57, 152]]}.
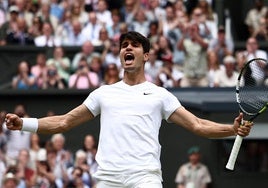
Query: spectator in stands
{"points": [[171, 21], [9, 181], [195, 64], [261, 34], [56, 9], [83, 78], [45, 177], [3, 138], [10, 24], [114, 29], [214, 66], [208, 11], [76, 179], [155, 11], [73, 36], [47, 38], [35, 146], [90, 147], [25, 173], [24, 79], [169, 76], [207, 28], [103, 40], [92, 29], [153, 66], [154, 32], [175, 35], [123, 28], [240, 60], [163, 47], [96, 66], [87, 51], [253, 16], [80, 162], [3, 144], [52, 79], [128, 10], [13, 146], [20, 35], [39, 69], [227, 77], [35, 29], [111, 74], [253, 51], [58, 158], [91, 5], [65, 27], [78, 13], [3, 16], [24, 12], [140, 22], [111, 55], [103, 14], [193, 173], [62, 63], [221, 45], [2, 171], [179, 6], [46, 17]]}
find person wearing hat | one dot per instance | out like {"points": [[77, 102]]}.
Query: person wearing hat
{"points": [[10, 24], [10, 181], [193, 174], [227, 77]]}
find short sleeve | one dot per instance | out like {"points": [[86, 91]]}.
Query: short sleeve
{"points": [[92, 102], [170, 104]]}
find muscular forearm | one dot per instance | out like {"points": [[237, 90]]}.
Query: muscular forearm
{"points": [[212, 129], [51, 125]]}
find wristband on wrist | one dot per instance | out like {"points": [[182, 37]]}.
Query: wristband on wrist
{"points": [[29, 124]]}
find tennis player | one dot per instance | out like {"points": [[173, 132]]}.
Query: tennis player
{"points": [[131, 113]]}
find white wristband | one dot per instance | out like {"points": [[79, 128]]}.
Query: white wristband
{"points": [[29, 124]]}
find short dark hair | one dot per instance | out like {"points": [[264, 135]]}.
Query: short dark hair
{"points": [[136, 37]]}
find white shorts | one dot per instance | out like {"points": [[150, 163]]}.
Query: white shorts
{"points": [[142, 179]]}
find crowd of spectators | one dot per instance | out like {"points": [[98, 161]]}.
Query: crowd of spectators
{"points": [[27, 161], [183, 34], [189, 49]]}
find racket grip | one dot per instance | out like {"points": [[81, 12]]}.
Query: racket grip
{"points": [[236, 147]]}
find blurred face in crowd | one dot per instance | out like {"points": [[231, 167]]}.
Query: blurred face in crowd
{"points": [[89, 142], [194, 158], [20, 110], [87, 48], [23, 67], [47, 30], [252, 45]]}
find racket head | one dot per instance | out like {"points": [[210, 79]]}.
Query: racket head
{"points": [[251, 95]]}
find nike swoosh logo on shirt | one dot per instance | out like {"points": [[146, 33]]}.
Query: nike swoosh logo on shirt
{"points": [[147, 93]]}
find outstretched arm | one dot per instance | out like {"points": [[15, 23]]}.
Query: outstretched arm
{"points": [[53, 124], [209, 129]]}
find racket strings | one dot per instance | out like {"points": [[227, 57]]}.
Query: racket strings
{"points": [[252, 92]]}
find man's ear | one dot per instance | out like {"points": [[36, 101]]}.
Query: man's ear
{"points": [[146, 56]]}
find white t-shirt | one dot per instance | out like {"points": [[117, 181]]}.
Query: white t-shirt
{"points": [[130, 121]]}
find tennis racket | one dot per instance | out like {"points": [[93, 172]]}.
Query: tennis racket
{"points": [[252, 99]]}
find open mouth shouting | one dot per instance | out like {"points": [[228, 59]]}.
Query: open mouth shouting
{"points": [[129, 58]]}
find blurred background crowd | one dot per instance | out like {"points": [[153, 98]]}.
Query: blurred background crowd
{"points": [[189, 48]]}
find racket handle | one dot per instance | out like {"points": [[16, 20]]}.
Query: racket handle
{"points": [[234, 152]]}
